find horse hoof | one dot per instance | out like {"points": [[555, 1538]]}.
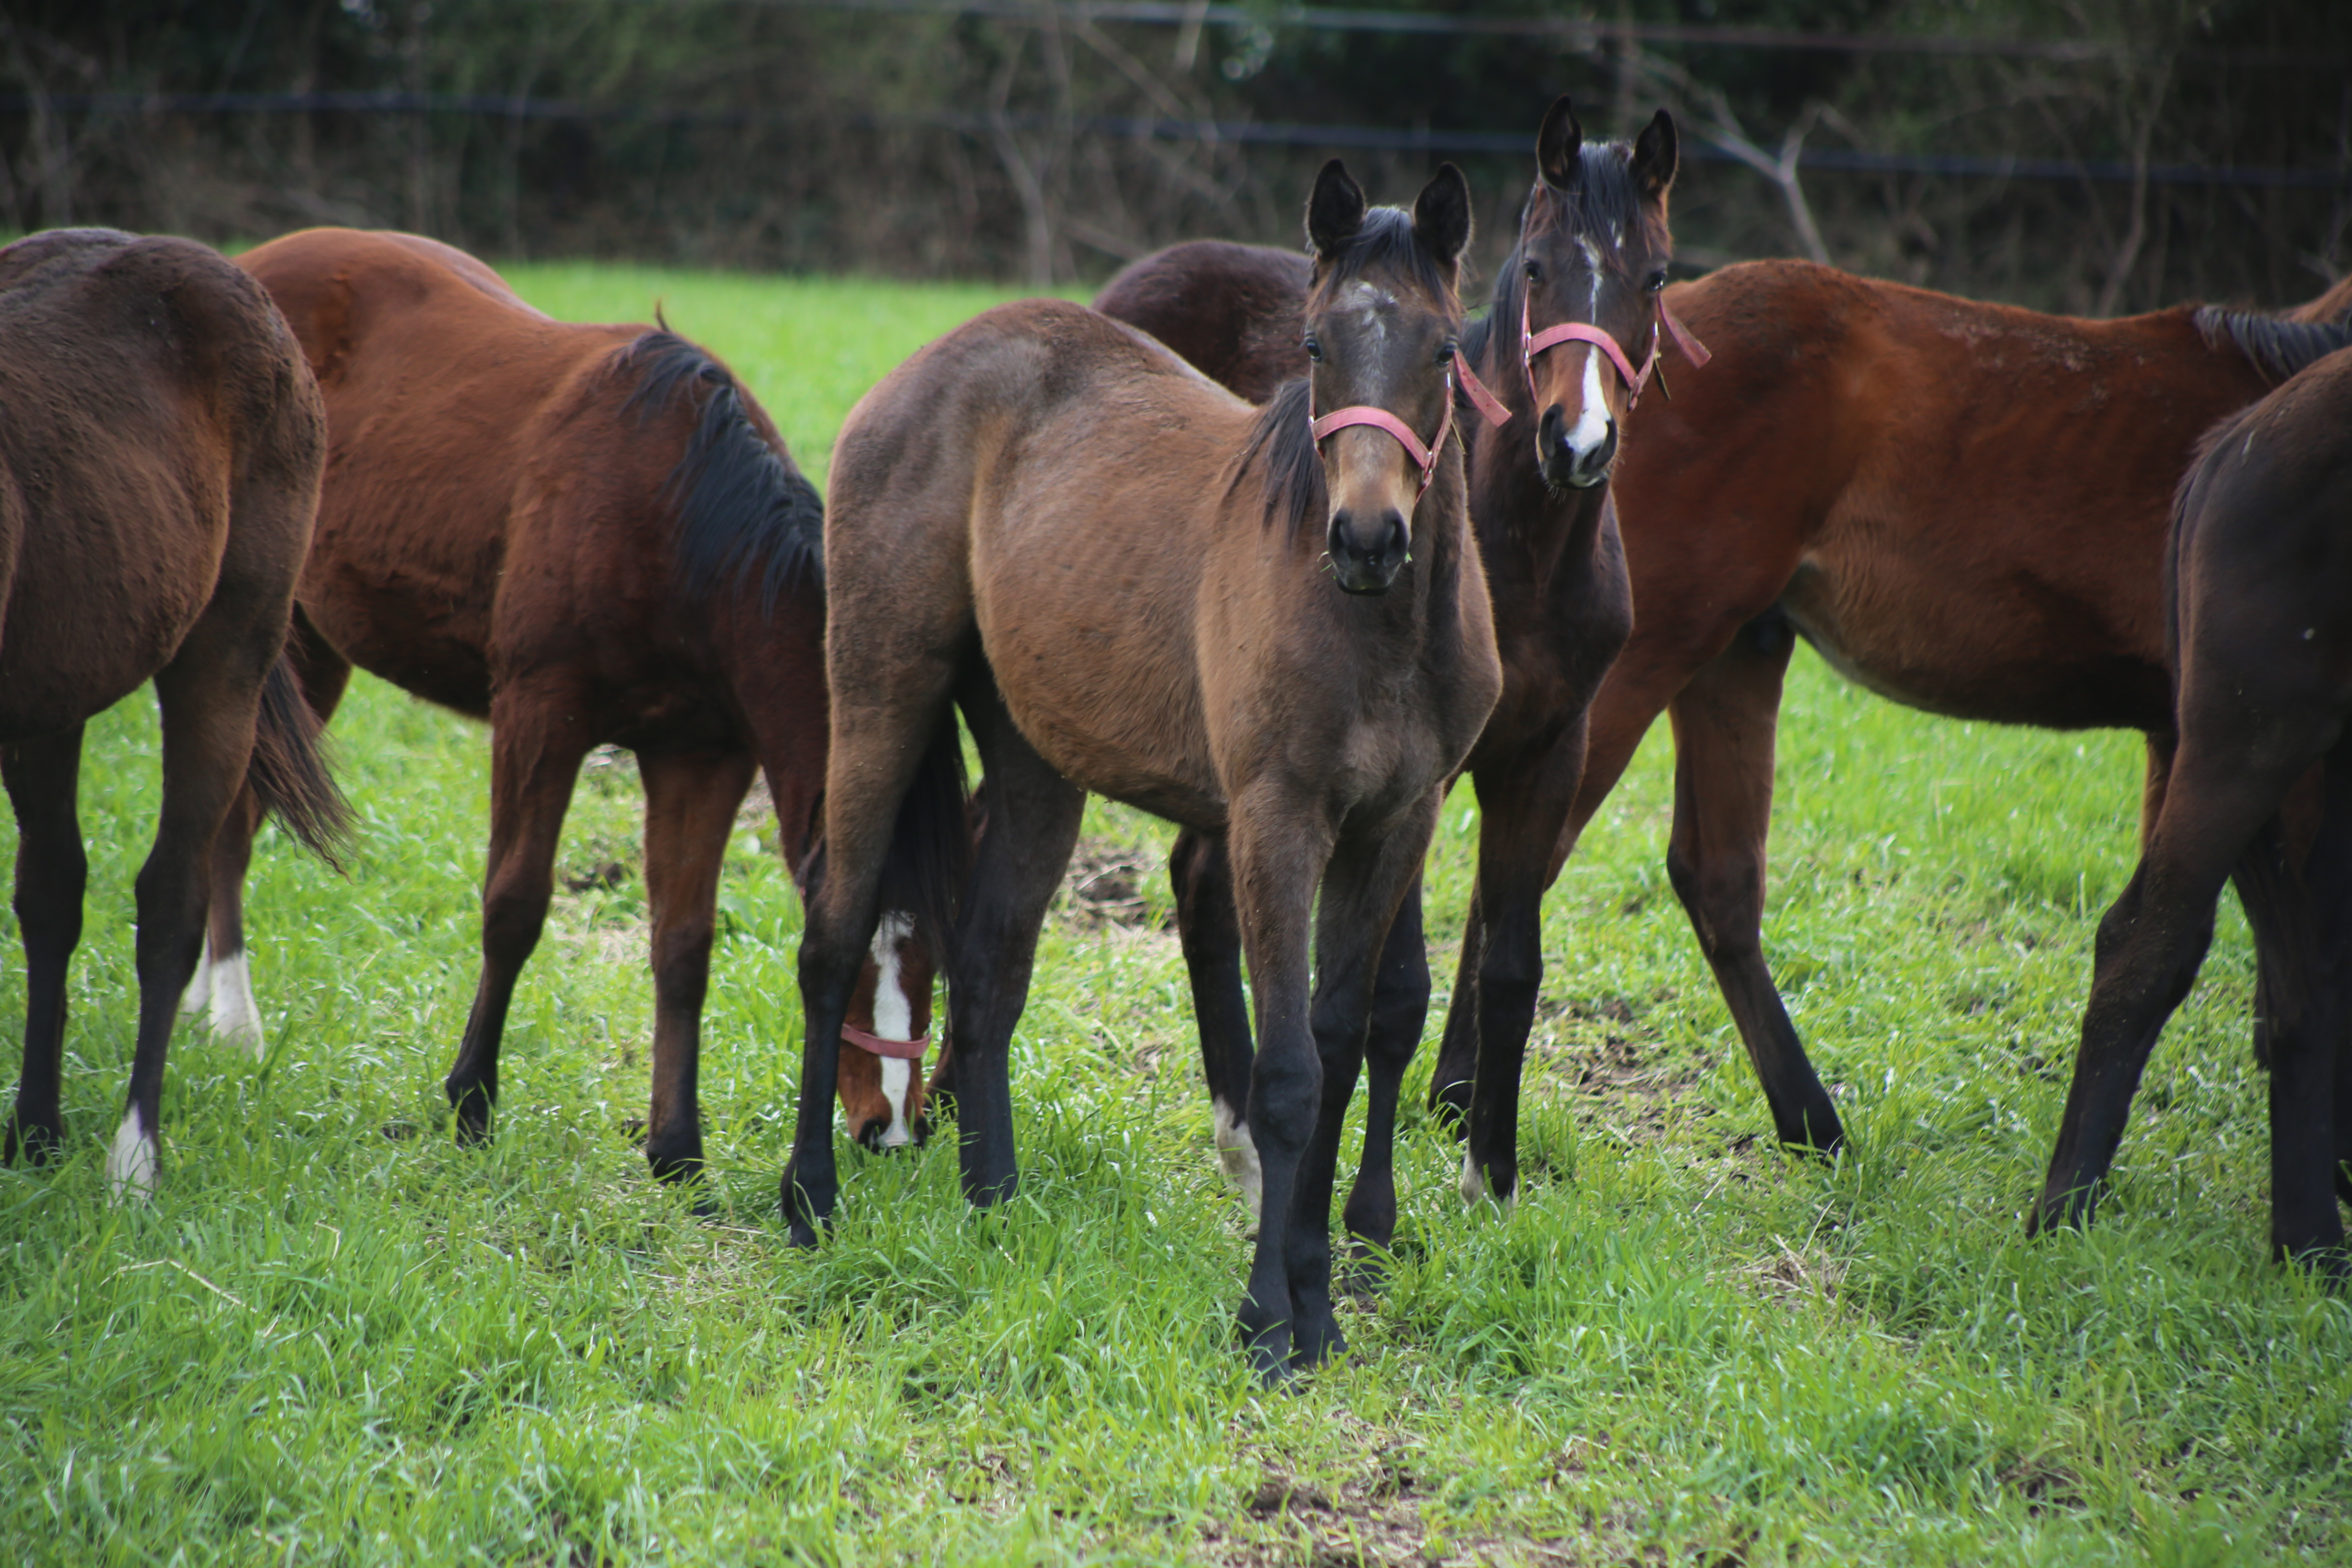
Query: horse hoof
{"points": [[34, 1142], [683, 1165]]}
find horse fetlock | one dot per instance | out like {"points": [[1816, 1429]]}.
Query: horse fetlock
{"points": [[132, 1162], [807, 1203], [35, 1140], [676, 1159], [470, 1098], [1497, 1183]]}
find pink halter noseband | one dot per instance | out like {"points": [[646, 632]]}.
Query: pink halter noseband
{"points": [[1532, 344], [880, 1046], [1423, 457]]}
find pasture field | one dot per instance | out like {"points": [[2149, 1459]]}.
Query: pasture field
{"points": [[337, 1337]]}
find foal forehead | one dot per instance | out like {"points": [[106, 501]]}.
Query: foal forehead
{"points": [[1377, 303]]}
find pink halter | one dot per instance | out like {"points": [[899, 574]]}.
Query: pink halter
{"points": [[1424, 458], [877, 1045], [1532, 344]]}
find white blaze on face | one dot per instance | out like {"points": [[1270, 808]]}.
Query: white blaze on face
{"points": [[130, 1163], [1591, 427], [1237, 1154], [894, 1019], [1372, 303]]}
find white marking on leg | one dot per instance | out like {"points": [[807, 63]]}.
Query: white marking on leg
{"points": [[198, 996], [1591, 427], [894, 1019], [1237, 1154], [1475, 1190], [236, 1018], [131, 1163]]}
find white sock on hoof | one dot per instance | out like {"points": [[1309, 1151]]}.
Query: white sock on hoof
{"points": [[236, 1018], [1237, 1154], [894, 1019], [130, 1163]]}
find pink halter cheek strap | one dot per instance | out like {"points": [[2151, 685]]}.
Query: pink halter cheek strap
{"points": [[1585, 332], [878, 1046]]}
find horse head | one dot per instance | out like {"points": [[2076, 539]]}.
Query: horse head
{"points": [[1382, 321], [1583, 288]]}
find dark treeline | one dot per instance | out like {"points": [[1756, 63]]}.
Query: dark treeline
{"points": [[766, 133]]}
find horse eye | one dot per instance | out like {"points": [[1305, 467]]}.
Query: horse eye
{"points": [[1535, 270], [1445, 353], [1315, 350], [1657, 280]]}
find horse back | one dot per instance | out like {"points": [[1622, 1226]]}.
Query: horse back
{"points": [[1962, 505], [147, 390], [470, 433], [1054, 482], [1236, 311]]}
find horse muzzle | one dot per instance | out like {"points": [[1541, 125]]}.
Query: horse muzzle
{"points": [[1367, 551], [1577, 456]]}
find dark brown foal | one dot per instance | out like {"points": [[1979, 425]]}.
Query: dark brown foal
{"points": [[2259, 605], [159, 455], [584, 534], [1269, 626]]}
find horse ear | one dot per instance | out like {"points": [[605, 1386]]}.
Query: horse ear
{"points": [[1335, 211], [1655, 156], [1441, 214], [1558, 143]]}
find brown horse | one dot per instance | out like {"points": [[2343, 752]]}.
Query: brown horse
{"points": [[1590, 263], [1266, 625], [2259, 586], [584, 534], [160, 452], [1962, 506]]}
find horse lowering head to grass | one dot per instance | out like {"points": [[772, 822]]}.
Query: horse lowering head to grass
{"points": [[1574, 335], [160, 448], [1267, 624], [2259, 604], [584, 534]]}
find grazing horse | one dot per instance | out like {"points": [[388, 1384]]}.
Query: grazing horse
{"points": [[1962, 506], [584, 534], [2259, 614], [1575, 310], [1267, 624], [159, 450]]}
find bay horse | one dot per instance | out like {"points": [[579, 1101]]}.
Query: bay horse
{"points": [[1266, 625], [584, 534], [159, 455], [1575, 309], [1962, 506], [2259, 615]]}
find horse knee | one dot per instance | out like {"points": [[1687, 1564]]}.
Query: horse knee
{"points": [[513, 919]]}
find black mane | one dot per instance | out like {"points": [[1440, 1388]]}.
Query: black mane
{"points": [[2278, 348], [1281, 439], [744, 509]]}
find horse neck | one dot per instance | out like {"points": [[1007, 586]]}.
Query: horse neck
{"points": [[1527, 532]]}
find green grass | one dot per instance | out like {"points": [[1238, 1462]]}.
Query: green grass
{"points": [[337, 1337]]}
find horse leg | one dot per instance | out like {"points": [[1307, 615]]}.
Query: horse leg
{"points": [[51, 872], [1400, 1009], [690, 803], [1457, 1048], [1279, 853], [222, 990], [537, 739], [1211, 934], [1522, 811], [1033, 825], [209, 695], [1365, 882], [1724, 722], [2154, 937]]}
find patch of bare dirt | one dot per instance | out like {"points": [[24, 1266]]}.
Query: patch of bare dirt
{"points": [[1104, 887], [1372, 1524]]}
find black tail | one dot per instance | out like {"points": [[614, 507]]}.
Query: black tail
{"points": [[288, 773], [930, 843]]}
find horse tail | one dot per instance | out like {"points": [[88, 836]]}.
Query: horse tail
{"points": [[931, 843], [288, 770]]}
